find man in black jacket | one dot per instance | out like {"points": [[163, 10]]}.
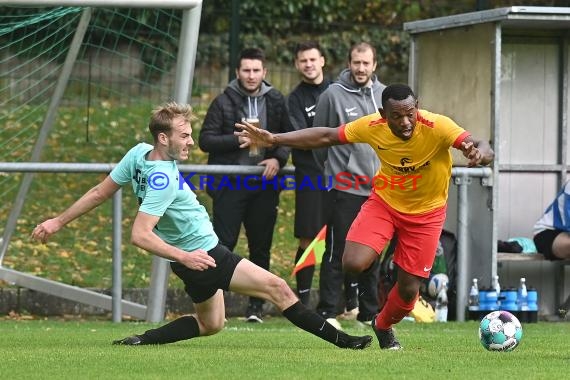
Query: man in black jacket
{"points": [[251, 200]]}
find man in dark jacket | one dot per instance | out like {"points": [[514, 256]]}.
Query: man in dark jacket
{"points": [[251, 200]]}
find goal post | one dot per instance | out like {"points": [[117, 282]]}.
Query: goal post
{"points": [[42, 82], [173, 4]]}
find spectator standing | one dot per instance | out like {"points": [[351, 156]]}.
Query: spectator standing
{"points": [[356, 93], [302, 101], [254, 205]]}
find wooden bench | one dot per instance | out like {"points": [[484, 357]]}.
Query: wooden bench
{"points": [[504, 256], [559, 274]]}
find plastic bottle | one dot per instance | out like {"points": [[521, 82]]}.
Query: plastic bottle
{"points": [[492, 298], [483, 301], [522, 300], [441, 304], [523, 295], [509, 301], [497, 287], [474, 300]]}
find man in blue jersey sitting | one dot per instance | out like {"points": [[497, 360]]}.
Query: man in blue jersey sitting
{"points": [[552, 230]]}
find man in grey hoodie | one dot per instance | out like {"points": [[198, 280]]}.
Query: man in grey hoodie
{"points": [[246, 199], [356, 93]]}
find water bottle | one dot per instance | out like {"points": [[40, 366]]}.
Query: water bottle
{"points": [[497, 287], [523, 295], [483, 301], [509, 301], [492, 299], [474, 301], [441, 304], [522, 300]]}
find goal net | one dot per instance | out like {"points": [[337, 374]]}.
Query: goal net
{"points": [[77, 84]]}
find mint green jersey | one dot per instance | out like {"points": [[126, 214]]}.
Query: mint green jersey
{"points": [[161, 191]]}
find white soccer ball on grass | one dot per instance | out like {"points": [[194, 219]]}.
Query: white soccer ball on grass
{"points": [[500, 331]]}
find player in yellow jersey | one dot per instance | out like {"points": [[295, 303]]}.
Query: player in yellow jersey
{"points": [[410, 190]]}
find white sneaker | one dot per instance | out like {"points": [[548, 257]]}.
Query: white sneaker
{"points": [[349, 315], [334, 323], [253, 314], [254, 319]]}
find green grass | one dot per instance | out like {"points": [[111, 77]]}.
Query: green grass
{"points": [[275, 350], [81, 253]]}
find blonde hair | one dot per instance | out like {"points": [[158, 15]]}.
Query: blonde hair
{"points": [[162, 117]]}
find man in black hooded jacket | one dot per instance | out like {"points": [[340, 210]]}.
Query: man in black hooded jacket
{"points": [[251, 200]]}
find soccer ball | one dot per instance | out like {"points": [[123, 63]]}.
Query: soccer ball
{"points": [[436, 284], [500, 331]]}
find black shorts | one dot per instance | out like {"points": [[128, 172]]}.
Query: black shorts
{"points": [[309, 214], [201, 285], [543, 241]]}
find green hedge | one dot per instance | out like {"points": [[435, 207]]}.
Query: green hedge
{"points": [[337, 24], [392, 46]]}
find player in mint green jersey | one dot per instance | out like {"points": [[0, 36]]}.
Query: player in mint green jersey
{"points": [[172, 224]]}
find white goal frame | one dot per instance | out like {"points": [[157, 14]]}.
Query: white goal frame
{"points": [[186, 58]]}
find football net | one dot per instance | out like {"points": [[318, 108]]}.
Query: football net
{"points": [[70, 78]]}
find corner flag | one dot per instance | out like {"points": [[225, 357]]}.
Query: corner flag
{"points": [[314, 253]]}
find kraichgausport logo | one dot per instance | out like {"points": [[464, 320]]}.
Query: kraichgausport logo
{"points": [[341, 181]]}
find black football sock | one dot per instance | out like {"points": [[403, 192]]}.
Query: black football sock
{"points": [[350, 291], [311, 322], [304, 279], [182, 328]]}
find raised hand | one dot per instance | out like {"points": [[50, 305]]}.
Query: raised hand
{"points": [[249, 134]]}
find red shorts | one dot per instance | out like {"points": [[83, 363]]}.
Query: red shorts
{"points": [[418, 234]]}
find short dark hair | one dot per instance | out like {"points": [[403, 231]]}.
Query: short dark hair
{"points": [[361, 46], [307, 45], [251, 53], [397, 91]]}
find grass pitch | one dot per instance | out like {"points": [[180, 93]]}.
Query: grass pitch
{"points": [[276, 349]]}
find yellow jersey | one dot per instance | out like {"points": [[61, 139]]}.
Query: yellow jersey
{"points": [[414, 174]]}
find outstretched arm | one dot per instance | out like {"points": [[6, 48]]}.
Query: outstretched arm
{"points": [[91, 199], [478, 152], [316, 137]]}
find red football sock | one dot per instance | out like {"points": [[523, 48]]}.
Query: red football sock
{"points": [[394, 310]]}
